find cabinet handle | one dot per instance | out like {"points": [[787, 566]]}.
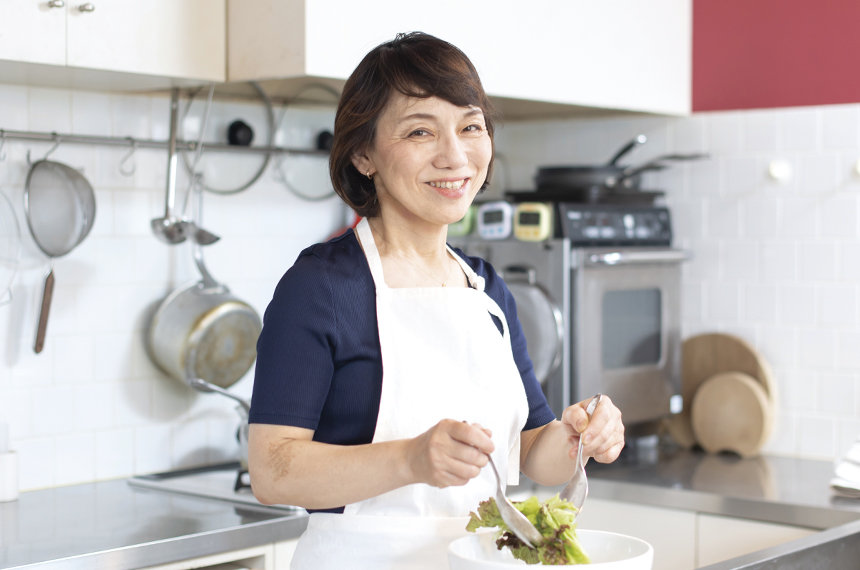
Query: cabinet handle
{"points": [[56, 4], [88, 7]]}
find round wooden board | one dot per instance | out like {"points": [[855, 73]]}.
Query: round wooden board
{"points": [[706, 355], [731, 412]]}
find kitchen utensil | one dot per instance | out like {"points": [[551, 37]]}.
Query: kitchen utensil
{"points": [[576, 489], [731, 412], [244, 410], [637, 140], [516, 521], [203, 331], [533, 221], [584, 176], [607, 551], [10, 248], [170, 228], [229, 173], [495, 219], [541, 319], [706, 355], [204, 386], [60, 206]]}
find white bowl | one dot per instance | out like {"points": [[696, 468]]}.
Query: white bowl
{"points": [[607, 550]]}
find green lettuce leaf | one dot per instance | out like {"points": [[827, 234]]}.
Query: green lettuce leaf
{"points": [[554, 519]]}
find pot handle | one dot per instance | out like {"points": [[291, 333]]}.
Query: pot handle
{"points": [[640, 139]]}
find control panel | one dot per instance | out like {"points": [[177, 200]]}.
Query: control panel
{"points": [[606, 224]]}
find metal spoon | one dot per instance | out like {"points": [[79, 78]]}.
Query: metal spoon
{"points": [[519, 524], [576, 489]]}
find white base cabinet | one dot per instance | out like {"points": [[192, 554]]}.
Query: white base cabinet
{"points": [[686, 539], [671, 532], [266, 557], [720, 538]]}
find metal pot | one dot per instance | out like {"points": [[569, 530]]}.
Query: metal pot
{"points": [[203, 331]]}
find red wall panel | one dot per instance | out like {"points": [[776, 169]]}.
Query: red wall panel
{"points": [[775, 53]]}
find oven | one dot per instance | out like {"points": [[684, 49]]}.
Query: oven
{"points": [[599, 302]]}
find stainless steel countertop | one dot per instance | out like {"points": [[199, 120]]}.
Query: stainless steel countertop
{"points": [[116, 525], [111, 524]]}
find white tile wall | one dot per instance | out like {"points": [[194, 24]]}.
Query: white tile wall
{"points": [[92, 406], [775, 263]]}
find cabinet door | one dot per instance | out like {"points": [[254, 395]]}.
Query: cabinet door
{"points": [[32, 31], [721, 538], [670, 532], [624, 54], [172, 38]]}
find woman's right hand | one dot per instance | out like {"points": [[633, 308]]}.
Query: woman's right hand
{"points": [[451, 453]]}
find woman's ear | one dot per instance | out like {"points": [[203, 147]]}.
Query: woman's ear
{"points": [[363, 164]]}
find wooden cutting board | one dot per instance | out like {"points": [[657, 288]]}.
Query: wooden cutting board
{"points": [[706, 355], [732, 412]]}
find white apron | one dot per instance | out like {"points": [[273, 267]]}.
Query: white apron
{"points": [[442, 357]]}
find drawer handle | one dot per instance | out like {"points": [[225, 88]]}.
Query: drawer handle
{"points": [[88, 7], [56, 4]]}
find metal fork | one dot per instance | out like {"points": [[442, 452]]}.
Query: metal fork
{"points": [[519, 524], [576, 489]]}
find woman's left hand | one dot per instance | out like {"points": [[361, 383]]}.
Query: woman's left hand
{"points": [[602, 435]]}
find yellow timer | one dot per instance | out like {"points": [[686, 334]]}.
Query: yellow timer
{"points": [[533, 221]]}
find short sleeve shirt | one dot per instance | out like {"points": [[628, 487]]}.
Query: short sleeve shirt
{"points": [[319, 364]]}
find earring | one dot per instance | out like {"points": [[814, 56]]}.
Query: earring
{"points": [[369, 175]]}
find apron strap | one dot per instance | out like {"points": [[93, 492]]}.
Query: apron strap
{"points": [[365, 236]]}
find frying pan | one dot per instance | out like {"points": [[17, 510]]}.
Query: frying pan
{"points": [[60, 206]]}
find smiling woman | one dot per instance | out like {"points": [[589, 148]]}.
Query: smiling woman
{"points": [[391, 366]]}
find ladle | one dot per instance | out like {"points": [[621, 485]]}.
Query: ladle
{"points": [[171, 228]]}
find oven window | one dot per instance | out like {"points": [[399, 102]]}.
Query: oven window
{"points": [[631, 328]]}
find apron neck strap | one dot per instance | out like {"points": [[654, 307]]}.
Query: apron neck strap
{"points": [[365, 236], [368, 244]]}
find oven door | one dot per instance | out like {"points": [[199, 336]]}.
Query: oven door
{"points": [[626, 320]]}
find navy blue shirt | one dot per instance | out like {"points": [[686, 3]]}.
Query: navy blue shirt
{"points": [[319, 364]]}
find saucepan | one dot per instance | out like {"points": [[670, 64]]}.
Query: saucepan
{"points": [[61, 208], [201, 330]]}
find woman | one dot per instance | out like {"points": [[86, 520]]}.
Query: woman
{"points": [[390, 366]]}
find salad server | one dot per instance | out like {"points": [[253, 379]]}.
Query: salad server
{"points": [[576, 489], [516, 521]]}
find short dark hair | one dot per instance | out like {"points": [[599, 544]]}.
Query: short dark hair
{"points": [[417, 65]]}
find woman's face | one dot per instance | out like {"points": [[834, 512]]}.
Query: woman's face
{"points": [[429, 159]]}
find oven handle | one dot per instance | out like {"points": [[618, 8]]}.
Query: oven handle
{"points": [[636, 257]]}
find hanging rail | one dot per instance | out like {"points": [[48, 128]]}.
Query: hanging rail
{"points": [[132, 142]]}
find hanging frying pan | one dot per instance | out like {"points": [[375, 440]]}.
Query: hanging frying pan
{"points": [[61, 208]]}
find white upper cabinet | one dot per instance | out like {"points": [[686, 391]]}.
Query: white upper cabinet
{"points": [[542, 57], [110, 41]]}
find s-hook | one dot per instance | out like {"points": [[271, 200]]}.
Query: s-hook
{"points": [[123, 169], [57, 141]]}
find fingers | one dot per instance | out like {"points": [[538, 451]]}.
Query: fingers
{"points": [[602, 435], [452, 453]]}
